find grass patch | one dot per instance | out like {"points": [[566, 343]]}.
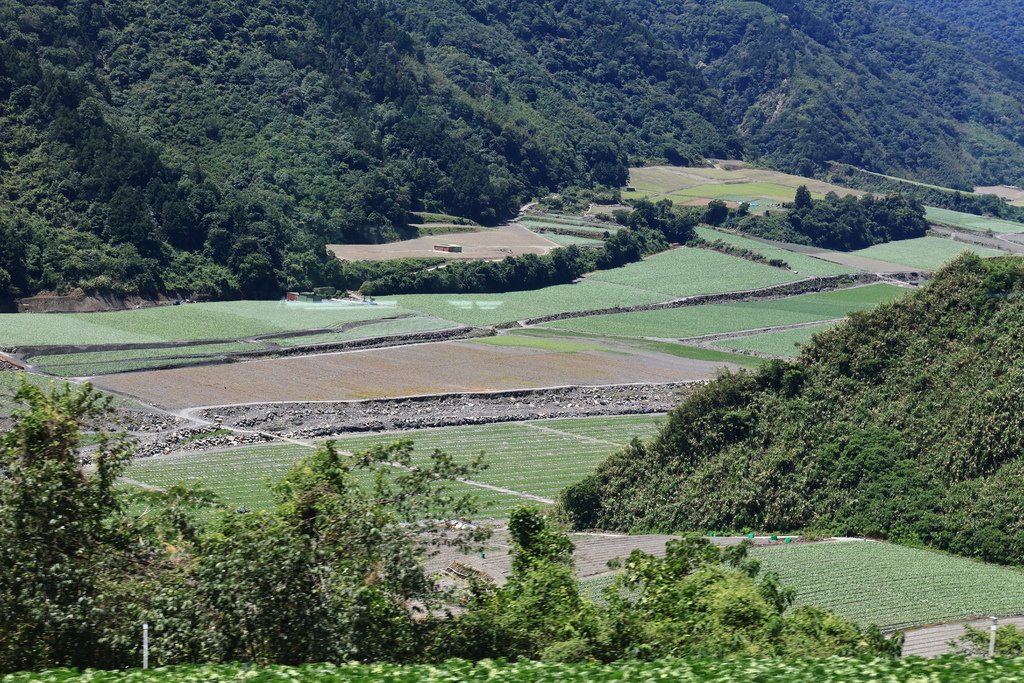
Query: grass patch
{"points": [[894, 586]]}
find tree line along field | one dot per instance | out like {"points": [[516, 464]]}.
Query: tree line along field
{"points": [[690, 670], [693, 321], [538, 458]]}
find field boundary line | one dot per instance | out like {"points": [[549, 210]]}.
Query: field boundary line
{"points": [[578, 437], [740, 334]]}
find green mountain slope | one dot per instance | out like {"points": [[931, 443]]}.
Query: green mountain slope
{"points": [[873, 84], [215, 147], [904, 422]]}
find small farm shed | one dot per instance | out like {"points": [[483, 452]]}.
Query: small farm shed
{"points": [[303, 296], [449, 248]]}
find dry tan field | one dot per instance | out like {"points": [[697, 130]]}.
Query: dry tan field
{"points": [[400, 371], [511, 240]]}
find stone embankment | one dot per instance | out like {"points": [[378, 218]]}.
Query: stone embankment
{"points": [[320, 419]]}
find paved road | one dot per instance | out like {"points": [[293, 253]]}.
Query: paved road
{"points": [[932, 641]]}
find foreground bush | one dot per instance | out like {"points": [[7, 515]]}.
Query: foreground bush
{"points": [[702, 670]]}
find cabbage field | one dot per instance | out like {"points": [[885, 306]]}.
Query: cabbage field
{"points": [[894, 586], [692, 321], [689, 670], [923, 253], [538, 458]]}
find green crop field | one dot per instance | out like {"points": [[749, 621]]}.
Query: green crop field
{"points": [[894, 586], [782, 344], [588, 228], [538, 458], [801, 263], [968, 221], [687, 272], [693, 321], [490, 309], [740, 192], [385, 328], [688, 670], [569, 240], [222, 320], [10, 382], [924, 253]]}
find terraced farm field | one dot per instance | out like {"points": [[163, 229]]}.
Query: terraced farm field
{"points": [[221, 320], [693, 321], [538, 458], [495, 243], [686, 272], [731, 181], [491, 309], [569, 240], [894, 586], [801, 263], [782, 343], [969, 221], [402, 371], [922, 253]]}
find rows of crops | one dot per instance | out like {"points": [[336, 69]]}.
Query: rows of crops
{"points": [[490, 309], [538, 458], [923, 253], [783, 344], [692, 321], [801, 263], [894, 586], [222, 320], [569, 240], [687, 272], [969, 221], [689, 670]]}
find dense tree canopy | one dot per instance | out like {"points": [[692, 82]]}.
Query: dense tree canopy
{"points": [[903, 422]]}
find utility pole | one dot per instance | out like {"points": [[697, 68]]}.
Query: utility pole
{"points": [[145, 646], [992, 637]]}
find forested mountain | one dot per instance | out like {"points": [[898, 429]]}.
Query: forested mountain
{"points": [[873, 84], [214, 148], [1001, 22], [210, 146], [904, 422]]}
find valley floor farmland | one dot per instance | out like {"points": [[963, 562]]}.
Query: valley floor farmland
{"points": [[400, 371], [493, 243], [536, 458]]}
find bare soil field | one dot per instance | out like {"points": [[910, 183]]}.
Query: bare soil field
{"points": [[510, 240], [1011, 194], [437, 368]]}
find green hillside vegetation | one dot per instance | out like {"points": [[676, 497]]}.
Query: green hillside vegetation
{"points": [[216, 148], [334, 569], [874, 84], [902, 423]]}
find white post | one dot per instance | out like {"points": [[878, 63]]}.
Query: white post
{"points": [[145, 646], [992, 637]]}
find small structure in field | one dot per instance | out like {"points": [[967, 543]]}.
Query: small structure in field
{"points": [[449, 248], [305, 297]]}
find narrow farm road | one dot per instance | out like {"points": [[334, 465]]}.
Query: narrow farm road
{"points": [[933, 641]]}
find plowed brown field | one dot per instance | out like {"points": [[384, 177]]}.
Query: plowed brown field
{"points": [[511, 240], [401, 371]]}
